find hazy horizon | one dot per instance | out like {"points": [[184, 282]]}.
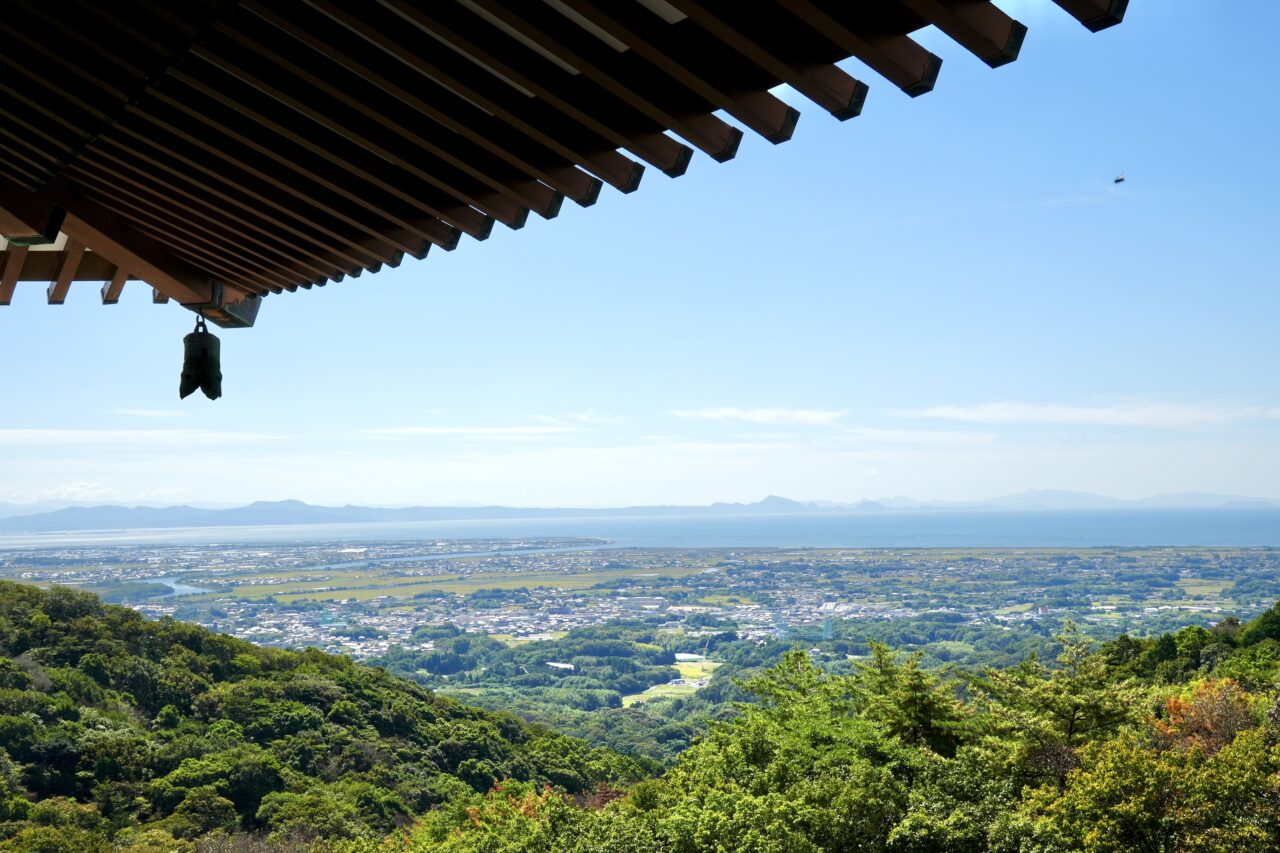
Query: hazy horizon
{"points": [[1061, 496]]}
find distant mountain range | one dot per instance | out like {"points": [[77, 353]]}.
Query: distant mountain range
{"points": [[39, 518], [1050, 499]]}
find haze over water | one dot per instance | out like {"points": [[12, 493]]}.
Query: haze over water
{"points": [[888, 529]]}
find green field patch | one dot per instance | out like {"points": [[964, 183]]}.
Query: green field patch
{"points": [[363, 584], [689, 671], [1014, 608], [372, 586], [1205, 586], [723, 598], [953, 647], [661, 691], [697, 669]]}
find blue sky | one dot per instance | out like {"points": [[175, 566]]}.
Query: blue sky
{"points": [[945, 298]]}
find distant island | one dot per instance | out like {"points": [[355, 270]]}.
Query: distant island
{"points": [[37, 518]]}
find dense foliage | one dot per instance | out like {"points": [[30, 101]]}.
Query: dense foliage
{"points": [[116, 730], [120, 733], [590, 668], [609, 661], [1164, 744], [576, 684]]}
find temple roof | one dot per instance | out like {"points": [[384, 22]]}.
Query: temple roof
{"points": [[222, 151]]}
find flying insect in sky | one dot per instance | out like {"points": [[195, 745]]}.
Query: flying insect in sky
{"points": [[1119, 178]]}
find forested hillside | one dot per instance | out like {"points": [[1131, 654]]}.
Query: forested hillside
{"points": [[120, 733], [1165, 744], [578, 684], [134, 732], [581, 691]]}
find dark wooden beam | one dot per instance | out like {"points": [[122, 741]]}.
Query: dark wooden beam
{"points": [[112, 289], [227, 272], [627, 81], [83, 45], [227, 257], [125, 246], [70, 262], [826, 85], [246, 197], [979, 27], [323, 159], [43, 266], [428, 176], [1096, 14], [49, 105], [29, 173], [195, 210], [226, 149], [14, 226], [650, 37], [239, 149], [60, 75], [14, 257], [427, 98], [897, 58], [500, 99], [137, 34], [395, 125], [28, 218], [21, 122], [107, 234], [506, 56]]}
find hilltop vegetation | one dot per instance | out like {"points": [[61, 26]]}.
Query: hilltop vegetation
{"points": [[120, 733], [578, 684], [1166, 744], [574, 684], [141, 732]]}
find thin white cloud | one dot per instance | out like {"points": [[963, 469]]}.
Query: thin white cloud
{"points": [[770, 417], [933, 438], [657, 469], [140, 437], [79, 492], [1129, 414], [468, 431], [150, 413], [856, 435], [586, 417]]}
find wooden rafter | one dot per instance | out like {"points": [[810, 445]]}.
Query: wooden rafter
{"points": [[1096, 14], [112, 289], [15, 258], [825, 84], [224, 151], [981, 28], [649, 37], [69, 263]]}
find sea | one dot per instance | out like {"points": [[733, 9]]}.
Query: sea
{"points": [[880, 529]]}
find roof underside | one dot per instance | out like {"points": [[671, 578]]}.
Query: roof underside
{"points": [[222, 151]]}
